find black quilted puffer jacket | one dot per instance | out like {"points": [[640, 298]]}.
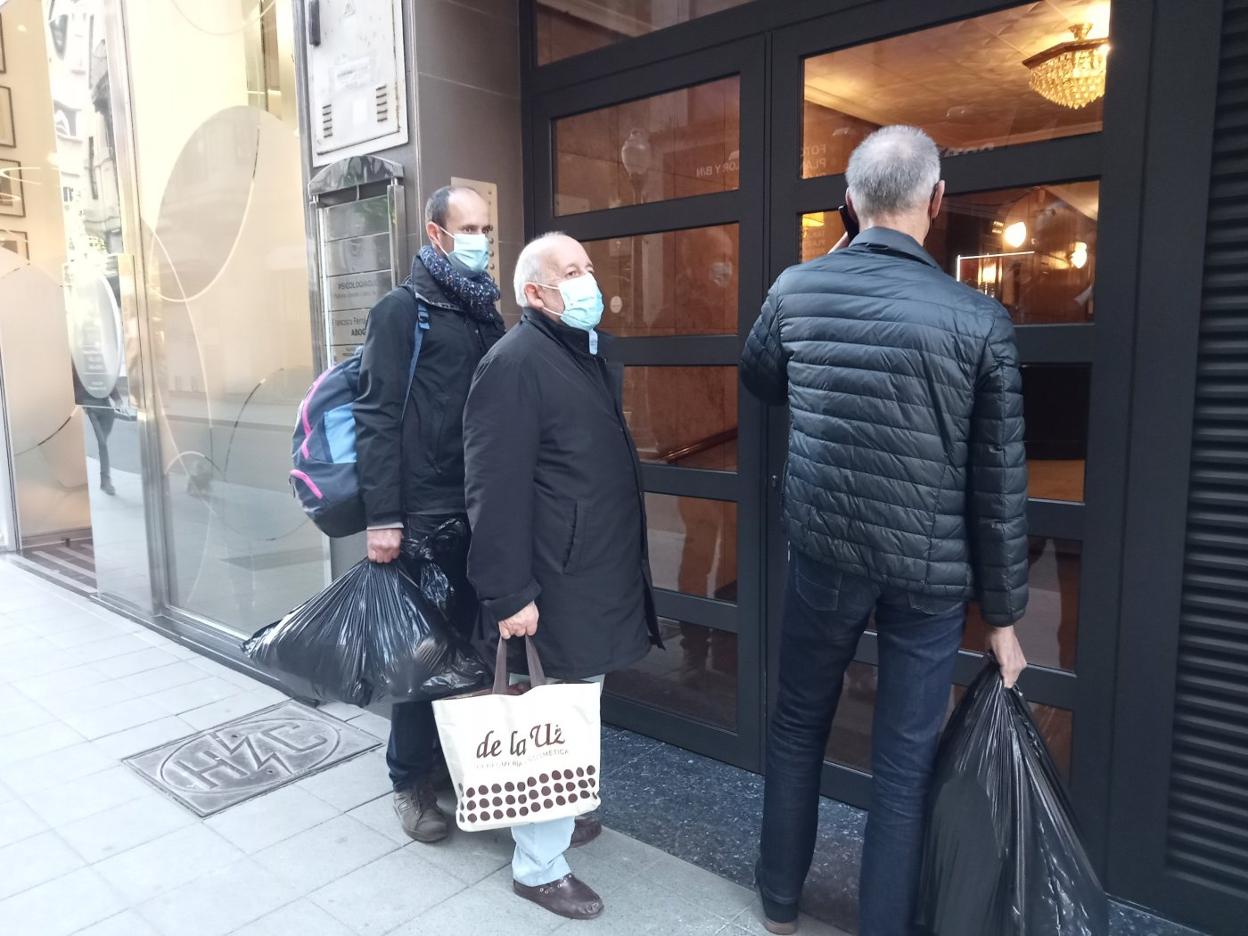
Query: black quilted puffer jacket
{"points": [[906, 461]]}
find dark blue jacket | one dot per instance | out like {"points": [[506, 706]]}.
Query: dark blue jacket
{"points": [[906, 461]]}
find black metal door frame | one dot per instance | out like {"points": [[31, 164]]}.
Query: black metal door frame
{"points": [[743, 207], [1158, 113], [1181, 141]]}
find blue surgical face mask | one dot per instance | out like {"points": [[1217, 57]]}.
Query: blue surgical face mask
{"points": [[582, 301], [471, 253]]}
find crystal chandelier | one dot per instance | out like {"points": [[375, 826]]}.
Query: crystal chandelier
{"points": [[1071, 73]]}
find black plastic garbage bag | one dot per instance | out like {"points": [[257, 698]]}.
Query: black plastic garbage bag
{"points": [[375, 635], [1002, 856]]}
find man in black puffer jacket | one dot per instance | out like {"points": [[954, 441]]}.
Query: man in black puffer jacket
{"points": [[905, 496]]}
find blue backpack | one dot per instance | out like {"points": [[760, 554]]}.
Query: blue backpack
{"points": [[324, 478]]}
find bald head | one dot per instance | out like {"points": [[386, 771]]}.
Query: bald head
{"points": [[544, 263], [455, 210]]}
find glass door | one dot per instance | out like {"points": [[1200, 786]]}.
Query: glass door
{"points": [[649, 170], [186, 294], [1029, 220], [219, 191]]}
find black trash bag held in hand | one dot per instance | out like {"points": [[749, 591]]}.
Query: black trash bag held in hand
{"points": [[372, 636], [1002, 856]]}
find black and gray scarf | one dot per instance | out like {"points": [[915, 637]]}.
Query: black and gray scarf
{"points": [[476, 295]]}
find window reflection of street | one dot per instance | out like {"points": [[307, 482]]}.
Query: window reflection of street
{"points": [[692, 142]]}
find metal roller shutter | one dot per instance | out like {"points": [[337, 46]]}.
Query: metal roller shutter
{"points": [[1208, 806]]}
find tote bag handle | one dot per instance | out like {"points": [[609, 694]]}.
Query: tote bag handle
{"points": [[537, 676]]}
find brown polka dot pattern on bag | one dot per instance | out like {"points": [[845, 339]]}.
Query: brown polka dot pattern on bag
{"points": [[528, 798]]}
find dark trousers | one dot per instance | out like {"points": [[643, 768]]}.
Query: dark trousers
{"points": [[412, 751], [825, 614]]}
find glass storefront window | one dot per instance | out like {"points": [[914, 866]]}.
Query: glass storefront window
{"points": [[1055, 409], [671, 145], [693, 545], [964, 83], [683, 416], [696, 677], [849, 742], [1050, 629], [1032, 249], [225, 251], [674, 283], [566, 29]]}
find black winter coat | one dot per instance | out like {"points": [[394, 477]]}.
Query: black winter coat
{"points": [[555, 500], [906, 461], [419, 470]]}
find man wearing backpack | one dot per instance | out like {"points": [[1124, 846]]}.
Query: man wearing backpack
{"points": [[411, 459]]}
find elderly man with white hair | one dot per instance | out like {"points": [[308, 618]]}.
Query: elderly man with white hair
{"points": [[905, 498], [555, 501]]}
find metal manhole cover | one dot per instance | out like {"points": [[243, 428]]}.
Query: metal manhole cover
{"points": [[223, 766]]}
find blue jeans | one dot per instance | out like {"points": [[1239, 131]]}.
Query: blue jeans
{"points": [[825, 614], [538, 858]]}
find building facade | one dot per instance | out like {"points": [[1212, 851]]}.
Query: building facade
{"points": [[214, 255]]}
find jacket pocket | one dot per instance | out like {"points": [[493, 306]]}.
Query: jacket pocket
{"points": [[576, 540], [433, 431]]}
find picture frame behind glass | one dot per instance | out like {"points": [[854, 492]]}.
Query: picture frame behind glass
{"points": [[3, 63], [16, 241], [8, 129], [12, 204]]}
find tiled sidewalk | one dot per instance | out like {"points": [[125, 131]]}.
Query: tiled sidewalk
{"points": [[87, 847]]}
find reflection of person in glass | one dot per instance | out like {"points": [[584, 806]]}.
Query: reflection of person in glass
{"points": [[905, 497], [101, 414]]}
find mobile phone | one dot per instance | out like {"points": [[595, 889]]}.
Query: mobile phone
{"points": [[848, 219]]}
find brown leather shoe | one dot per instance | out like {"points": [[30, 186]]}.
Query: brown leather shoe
{"points": [[566, 897], [779, 929], [588, 828], [420, 814]]}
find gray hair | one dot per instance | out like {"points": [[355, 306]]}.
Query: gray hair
{"points": [[531, 265], [892, 172]]}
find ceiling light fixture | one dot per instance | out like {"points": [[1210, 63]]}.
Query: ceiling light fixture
{"points": [[1071, 73]]}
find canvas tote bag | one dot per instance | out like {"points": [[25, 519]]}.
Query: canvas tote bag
{"points": [[516, 759]]}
